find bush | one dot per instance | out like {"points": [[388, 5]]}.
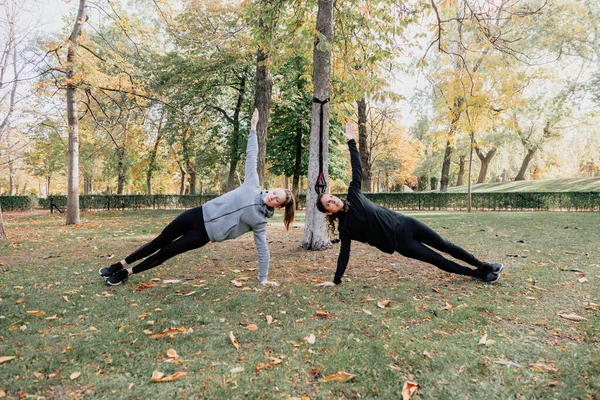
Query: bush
{"points": [[18, 203]]}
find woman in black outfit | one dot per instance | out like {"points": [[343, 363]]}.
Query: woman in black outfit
{"points": [[361, 219]]}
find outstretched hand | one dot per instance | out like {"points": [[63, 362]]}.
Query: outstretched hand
{"points": [[325, 284], [254, 120], [270, 283], [350, 130]]}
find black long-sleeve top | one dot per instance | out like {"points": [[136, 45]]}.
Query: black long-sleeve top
{"points": [[365, 221]]}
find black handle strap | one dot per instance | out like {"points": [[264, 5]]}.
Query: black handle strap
{"points": [[321, 184]]}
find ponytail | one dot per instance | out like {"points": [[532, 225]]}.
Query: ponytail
{"points": [[290, 209]]}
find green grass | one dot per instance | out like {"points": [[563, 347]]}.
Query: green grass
{"points": [[548, 185], [101, 332]]}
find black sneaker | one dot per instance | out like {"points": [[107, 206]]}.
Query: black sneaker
{"points": [[117, 278], [493, 267], [492, 277], [108, 271]]}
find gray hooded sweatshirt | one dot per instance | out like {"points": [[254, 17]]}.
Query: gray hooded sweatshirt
{"points": [[242, 210]]}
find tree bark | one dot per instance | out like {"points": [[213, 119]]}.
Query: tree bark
{"points": [[297, 166], [72, 117], [153, 155], [461, 171], [457, 110], [315, 235], [3, 236], [485, 162], [363, 147], [262, 101], [235, 146], [525, 164]]}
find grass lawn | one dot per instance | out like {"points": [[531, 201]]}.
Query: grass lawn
{"points": [[72, 336]]}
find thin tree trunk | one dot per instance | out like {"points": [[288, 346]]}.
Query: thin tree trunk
{"points": [[192, 179], [235, 121], [3, 236], [231, 175], [315, 235], [262, 101], [456, 112], [11, 165], [297, 166], [525, 164], [485, 163], [122, 151], [73, 163], [153, 155], [363, 148], [461, 171]]}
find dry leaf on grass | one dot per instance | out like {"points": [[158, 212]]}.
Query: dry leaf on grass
{"points": [[74, 375], [340, 376], [582, 280], [168, 331], [269, 319], [234, 340], [543, 367], [236, 370], [52, 318], [236, 283], [4, 359], [485, 341], [158, 376], [508, 362], [172, 354], [383, 304], [321, 314], [310, 339], [409, 389], [592, 306], [426, 354], [171, 281], [252, 327], [572, 317], [34, 312]]}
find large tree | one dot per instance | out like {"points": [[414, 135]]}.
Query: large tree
{"points": [[315, 235]]}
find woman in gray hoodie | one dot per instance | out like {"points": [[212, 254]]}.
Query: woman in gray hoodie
{"points": [[228, 216]]}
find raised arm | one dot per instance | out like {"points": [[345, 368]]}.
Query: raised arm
{"points": [[354, 156], [252, 153]]}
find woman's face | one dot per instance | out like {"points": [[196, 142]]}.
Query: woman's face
{"points": [[275, 198], [331, 203]]}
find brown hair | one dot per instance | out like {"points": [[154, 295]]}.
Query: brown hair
{"points": [[332, 218], [290, 209]]}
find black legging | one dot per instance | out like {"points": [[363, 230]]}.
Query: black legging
{"points": [[184, 233], [414, 235]]}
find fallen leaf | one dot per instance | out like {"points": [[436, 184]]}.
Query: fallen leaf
{"points": [[269, 319], [592, 306], [543, 367], [383, 304], [448, 306], [572, 317], [236, 283], [52, 318], [172, 354], [340, 376], [236, 370], [74, 375], [34, 312], [158, 376], [252, 327], [275, 361], [168, 331], [409, 389], [310, 339], [582, 280], [367, 312], [322, 314], [508, 362], [436, 290], [234, 340], [144, 285], [426, 354], [483, 339], [4, 359]]}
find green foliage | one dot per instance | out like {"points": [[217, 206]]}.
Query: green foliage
{"points": [[18, 203], [131, 201]]}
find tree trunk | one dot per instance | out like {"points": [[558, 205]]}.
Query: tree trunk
{"points": [[122, 152], [48, 178], [73, 163], [182, 182], [457, 110], [262, 101], [363, 148], [461, 171], [297, 165], [485, 163], [521, 175], [87, 183], [235, 146], [192, 180], [153, 155], [3, 236], [315, 235], [11, 166]]}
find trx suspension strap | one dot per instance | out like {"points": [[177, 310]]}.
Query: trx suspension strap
{"points": [[321, 183]]}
